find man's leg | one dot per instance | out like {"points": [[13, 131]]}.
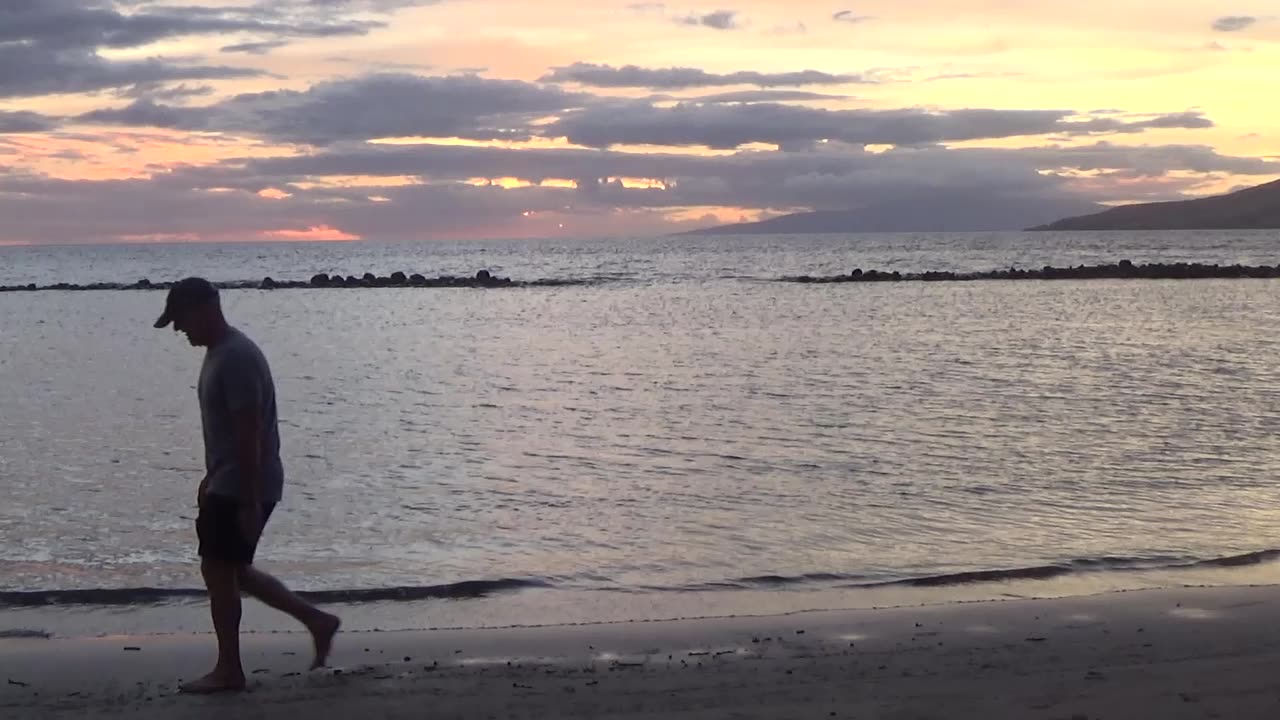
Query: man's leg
{"points": [[271, 591], [222, 581]]}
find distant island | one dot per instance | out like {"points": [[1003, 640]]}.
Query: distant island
{"points": [[1255, 208], [956, 210]]}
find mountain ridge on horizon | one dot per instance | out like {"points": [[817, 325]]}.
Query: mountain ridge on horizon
{"points": [[1252, 208], [1256, 207]]}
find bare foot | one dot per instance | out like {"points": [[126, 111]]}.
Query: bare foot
{"points": [[322, 636], [214, 682]]}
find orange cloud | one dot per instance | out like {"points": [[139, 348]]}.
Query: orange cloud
{"points": [[159, 238], [315, 233]]}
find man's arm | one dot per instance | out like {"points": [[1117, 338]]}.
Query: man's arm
{"points": [[244, 395], [247, 439]]}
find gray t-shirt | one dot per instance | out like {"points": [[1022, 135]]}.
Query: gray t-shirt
{"points": [[235, 376]]}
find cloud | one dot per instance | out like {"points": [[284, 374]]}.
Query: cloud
{"points": [[849, 16], [35, 70], [972, 76], [53, 46], [789, 126], [23, 121], [40, 209], [262, 47], [367, 107], [84, 24], [682, 78], [926, 165], [163, 92], [718, 20], [471, 107], [1234, 23], [148, 113], [381, 6], [797, 28], [752, 96]]}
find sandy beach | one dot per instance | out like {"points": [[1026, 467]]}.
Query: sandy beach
{"points": [[1193, 653]]}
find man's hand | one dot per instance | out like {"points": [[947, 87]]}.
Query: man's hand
{"points": [[251, 521], [202, 491]]}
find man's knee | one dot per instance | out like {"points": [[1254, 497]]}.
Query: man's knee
{"points": [[219, 575]]}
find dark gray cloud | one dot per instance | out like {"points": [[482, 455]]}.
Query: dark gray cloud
{"points": [[471, 107], [683, 78], [261, 47], [849, 16], [82, 24], [34, 70], [23, 121], [148, 113], [1234, 23], [718, 20], [931, 165], [754, 96], [52, 46], [373, 106], [164, 92], [789, 126]]}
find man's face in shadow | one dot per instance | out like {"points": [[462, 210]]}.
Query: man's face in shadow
{"points": [[196, 323]]}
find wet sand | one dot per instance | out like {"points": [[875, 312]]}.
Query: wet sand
{"points": [[1196, 653]]}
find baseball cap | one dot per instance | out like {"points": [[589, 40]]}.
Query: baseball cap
{"points": [[186, 294]]}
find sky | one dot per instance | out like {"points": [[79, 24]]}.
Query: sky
{"points": [[252, 120]]}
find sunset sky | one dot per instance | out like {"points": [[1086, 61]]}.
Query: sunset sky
{"points": [[137, 121]]}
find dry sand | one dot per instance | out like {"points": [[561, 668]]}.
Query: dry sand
{"points": [[1199, 653]]}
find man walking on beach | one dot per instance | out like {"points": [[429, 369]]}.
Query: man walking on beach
{"points": [[243, 481]]}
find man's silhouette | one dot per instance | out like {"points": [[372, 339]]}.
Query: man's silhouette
{"points": [[243, 480]]}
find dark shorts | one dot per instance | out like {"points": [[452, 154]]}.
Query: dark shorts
{"points": [[219, 533]]}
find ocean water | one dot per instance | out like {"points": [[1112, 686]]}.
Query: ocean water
{"points": [[683, 435]]}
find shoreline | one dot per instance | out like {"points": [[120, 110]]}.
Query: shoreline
{"points": [[160, 612], [1147, 653]]}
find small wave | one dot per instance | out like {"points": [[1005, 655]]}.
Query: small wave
{"points": [[1253, 558], [24, 634], [468, 589], [474, 589], [970, 577]]}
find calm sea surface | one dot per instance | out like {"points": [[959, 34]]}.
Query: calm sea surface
{"points": [[684, 427]]}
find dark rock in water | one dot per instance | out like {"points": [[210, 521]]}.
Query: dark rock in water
{"points": [[399, 278], [267, 283], [320, 280], [352, 281], [417, 279], [144, 283], [484, 276]]}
